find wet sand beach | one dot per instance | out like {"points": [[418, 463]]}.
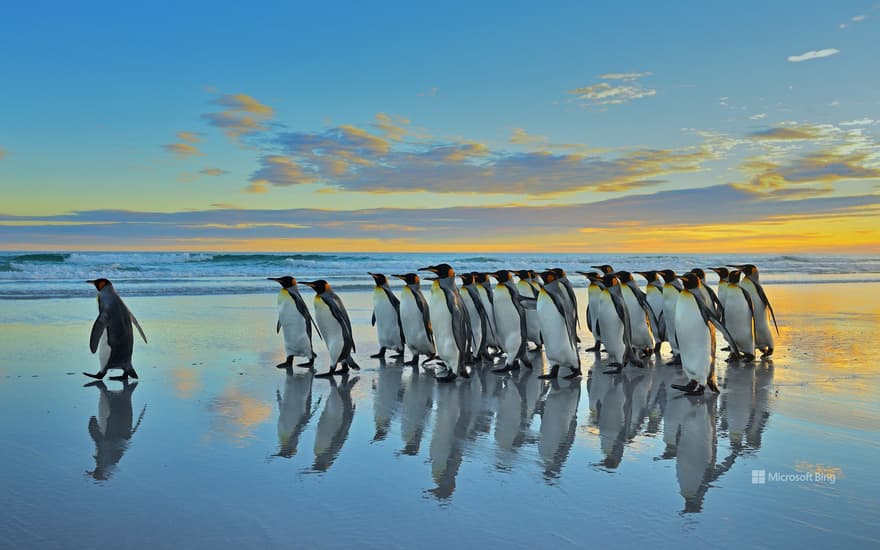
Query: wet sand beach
{"points": [[214, 446]]}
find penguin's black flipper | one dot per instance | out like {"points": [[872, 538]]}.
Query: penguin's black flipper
{"points": [[136, 324], [98, 328]]}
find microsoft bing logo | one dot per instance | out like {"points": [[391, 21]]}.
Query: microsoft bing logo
{"points": [[759, 477]]}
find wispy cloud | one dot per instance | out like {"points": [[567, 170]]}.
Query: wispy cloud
{"points": [[858, 122], [758, 116], [624, 87], [243, 115], [813, 54], [190, 137], [393, 127], [182, 150], [279, 171], [789, 133], [213, 172]]}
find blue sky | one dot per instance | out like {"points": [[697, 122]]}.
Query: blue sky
{"points": [[348, 105]]}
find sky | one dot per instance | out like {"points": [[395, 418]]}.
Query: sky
{"points": [[455, 126]]}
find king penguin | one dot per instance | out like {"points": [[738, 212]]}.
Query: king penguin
{"points": [[694, 325], [594, 294], [739, 316], [604, 268], [477, 316], [723, 274], [296, 323], [335, 326], [571, 297], [641, 317], [561, 335], [671, 288], [751, 283], [449, 319], [708, 294], [510, 322], [654, 295], [112, 334], [386, 318], [487, 295], [533, 324], [614, 323], [416, 319]]}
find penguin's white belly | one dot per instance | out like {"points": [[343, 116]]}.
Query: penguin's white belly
{"points": [[694, 338], [559, 348], [413, 325], [293, 327], [641, 335], [441, 322], [670, 299], [331, 329], [103, 350], [507, 324], [387, 328], [611, 328], [474, 319], [738, 320]]}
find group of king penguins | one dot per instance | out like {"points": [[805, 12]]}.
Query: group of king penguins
{"points": [[459, 326]]}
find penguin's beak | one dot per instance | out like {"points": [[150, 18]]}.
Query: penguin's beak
{"points": [[276, 279], [373, 275], [91, 282], [310, 284], [431, 268], [741, 266], [396, 276]]}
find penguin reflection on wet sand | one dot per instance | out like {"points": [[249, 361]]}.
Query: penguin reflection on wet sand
{"points": [[387, 395], [113, 428], [418, 402], [112, 335], [386, 318], [295, 411], [334, 423], [696, 447], [453, 422], [295, 322], [558, 425], [335, 326]]}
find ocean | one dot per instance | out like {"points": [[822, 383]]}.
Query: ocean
{"points": [[38, 275]]}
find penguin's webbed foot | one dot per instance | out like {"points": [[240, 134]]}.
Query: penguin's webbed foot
{"points": [[554, 372], [594, 348], [767, 353], [449, 377], [616, 370], [96, 376], [414, 362], [379, 354], [307, 364], [696, 391], [676, 361], [748, 357], [690, 386], [121, 378], [502, 370], [574, 374], [327, 374]]}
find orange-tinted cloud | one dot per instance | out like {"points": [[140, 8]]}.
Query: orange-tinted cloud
{"points": [[182, 150]]}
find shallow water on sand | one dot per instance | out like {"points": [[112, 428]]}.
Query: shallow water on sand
{"points": [[216, 447]]}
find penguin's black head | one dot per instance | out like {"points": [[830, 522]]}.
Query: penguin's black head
{"points": [[609, 280], [651, 276], [100, 283], [286, 282], [379, 278], [481, 278], [591, 275], [320, 286], [442, 270], [467, 278], [691, 280], [668, 275], [560, 273], [747, 269], [524, 275], [501, 275], [532, 274], [605, 269], [699, 273], [734, 276], [624, 276], [548, 276], [723, 272], [409, 278]]}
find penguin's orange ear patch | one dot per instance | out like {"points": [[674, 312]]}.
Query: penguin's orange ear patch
{"points": [[101, 284]]}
